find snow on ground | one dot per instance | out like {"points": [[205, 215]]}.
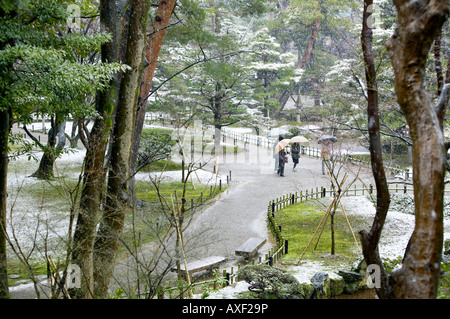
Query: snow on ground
{"points": [[397, 229], [31, 218], [198, 176], [396, 233], [53, 226]]}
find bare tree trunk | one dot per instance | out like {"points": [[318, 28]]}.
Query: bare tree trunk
{"points": [[217, 110], [157, 33], [94, 176], [440, 78], [418, 24], [74, 136], [117, 199], [45, 169], [305, 58], [6, 117], [311, 43], [370, 239], [4, 133], [333, 243]]}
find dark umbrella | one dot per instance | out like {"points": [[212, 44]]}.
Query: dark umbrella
{"points": [[327, 138]]}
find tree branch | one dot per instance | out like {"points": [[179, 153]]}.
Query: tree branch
{"points": [[443, 98], [33, 137], [186, 68]]}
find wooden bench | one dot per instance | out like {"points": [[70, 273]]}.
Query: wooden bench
{"points": [[208, 263], [250, 247]]}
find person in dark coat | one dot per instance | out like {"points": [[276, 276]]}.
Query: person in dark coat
{"points": [[275, 155], [295, 152], [282, 159]]}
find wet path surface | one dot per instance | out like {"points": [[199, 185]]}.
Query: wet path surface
{"points": [[241, 212], [237, 214]]}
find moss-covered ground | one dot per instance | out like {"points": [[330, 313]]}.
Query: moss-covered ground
{"points": [[300, 226]]}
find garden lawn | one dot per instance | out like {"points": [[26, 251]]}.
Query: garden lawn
{"points": [[299, 223], [147, 192]]}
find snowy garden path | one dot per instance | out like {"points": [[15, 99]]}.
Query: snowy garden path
{"points": [[240, 212]]}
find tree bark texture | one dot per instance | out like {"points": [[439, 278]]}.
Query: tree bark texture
{"points": [[370, 239], [155, 40], [304, 60], [5, 129], [45, 169], [117, 199], [94, 175], [311, 43], [418, 24], [4, 133]]}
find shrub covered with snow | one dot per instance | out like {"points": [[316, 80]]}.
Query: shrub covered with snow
{"points": [[404, 203]]}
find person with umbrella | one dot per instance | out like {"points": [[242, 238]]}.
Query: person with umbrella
{"points": [[326, 141], [276, 156], [295, 153], [280, 149], [295, 149]]}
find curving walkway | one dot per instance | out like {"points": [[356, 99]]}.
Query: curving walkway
{"points": [[237, 214], [240, 213]]}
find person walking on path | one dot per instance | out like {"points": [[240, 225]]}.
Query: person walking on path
{"points": [[282, 158], [275, 155], [295, 153], [326, 155]]}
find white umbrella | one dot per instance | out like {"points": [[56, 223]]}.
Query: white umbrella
{"points": [[299, 139], [281, 145]]}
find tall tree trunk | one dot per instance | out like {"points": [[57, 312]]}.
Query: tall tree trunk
{"points": [[4, 133], [61, 136], [5, 129], [304, 59], [74, 136], [117, 199], [370, 239], [311, 43], [157, 33], [418, 24], [440, 78], [45, 169], [94, 176]]}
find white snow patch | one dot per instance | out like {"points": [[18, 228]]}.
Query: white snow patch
{"points": [[230, 292], [198, 176]]}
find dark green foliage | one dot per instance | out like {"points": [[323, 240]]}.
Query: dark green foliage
{"points": [[156, 144], [43, 67], [272, 282]]}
